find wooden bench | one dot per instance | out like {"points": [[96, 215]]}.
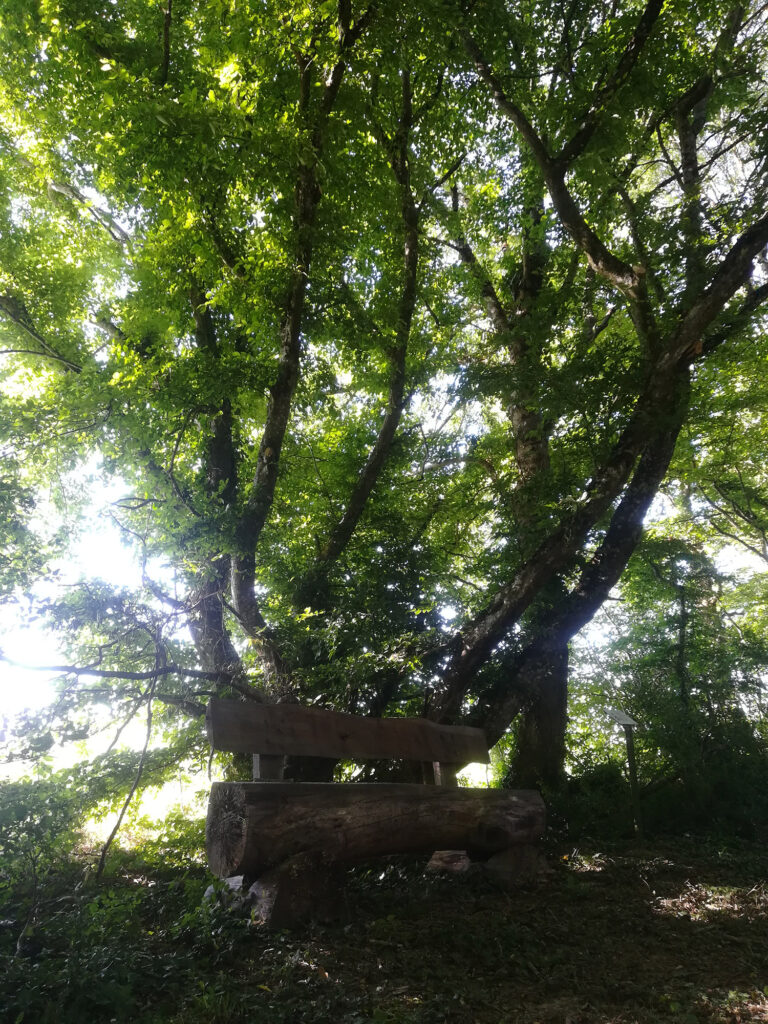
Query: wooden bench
{"points": [[287, 837]]}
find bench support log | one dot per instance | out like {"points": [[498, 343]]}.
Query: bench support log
{"points": [[300, 888], [255, 826]]}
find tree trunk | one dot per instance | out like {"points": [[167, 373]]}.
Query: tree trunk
{"points": [[255, 826], [540, 752]]}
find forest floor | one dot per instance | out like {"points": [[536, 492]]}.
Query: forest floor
{"points": [[672, 931]]}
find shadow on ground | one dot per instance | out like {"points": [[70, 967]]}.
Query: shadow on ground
{"points": [[628, 935]]}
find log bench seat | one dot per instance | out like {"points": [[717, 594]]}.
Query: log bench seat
{"points": [[289, 837]]}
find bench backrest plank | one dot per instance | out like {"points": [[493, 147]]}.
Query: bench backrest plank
{"points": [[250, 728]]}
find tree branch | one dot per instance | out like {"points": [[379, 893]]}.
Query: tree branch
{"points": [[166, 45], [34, 352], [604, 568], [306, 200], [103, 673], [624, 277], [531, 442], [17, 313], [136, 781], [342, 532], [102, 217], [590, 120], [746, 517], [476, 641], [732, 273]]}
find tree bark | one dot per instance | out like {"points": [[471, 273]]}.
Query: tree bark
{"points": [[255, 826], [540, 753]]}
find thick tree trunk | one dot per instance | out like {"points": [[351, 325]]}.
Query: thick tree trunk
{"points": [[540, 751], [255, 826]]}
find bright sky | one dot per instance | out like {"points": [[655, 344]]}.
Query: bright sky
{"points": [[97, 553]]}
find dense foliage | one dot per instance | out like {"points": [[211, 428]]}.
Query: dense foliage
{"points": [[387, 320]]}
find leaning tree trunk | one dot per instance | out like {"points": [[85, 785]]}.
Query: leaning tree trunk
{"points": [[540, 750]]}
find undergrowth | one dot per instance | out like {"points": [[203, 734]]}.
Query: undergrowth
{"points": [[674, 932]]}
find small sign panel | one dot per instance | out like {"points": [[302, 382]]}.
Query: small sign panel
{"points": [[620, 717]]}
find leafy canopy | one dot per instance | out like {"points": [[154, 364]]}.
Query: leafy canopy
{"points": [[386, 317]]}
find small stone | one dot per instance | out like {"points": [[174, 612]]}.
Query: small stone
{"points": [[453, 862], [230, 895]]}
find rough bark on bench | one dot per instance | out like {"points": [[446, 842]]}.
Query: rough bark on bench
{"points": [[255, 826]]}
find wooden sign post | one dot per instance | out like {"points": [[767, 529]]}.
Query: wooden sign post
{"points": [[628, 724]]}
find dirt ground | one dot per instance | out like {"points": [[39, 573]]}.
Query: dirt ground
{"points": [[674, 931]]}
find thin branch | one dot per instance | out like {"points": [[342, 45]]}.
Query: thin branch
{"points": [[33, 352], [17, 313], [136, 781], [132, 504], [123, 725], [445, 177], [762, 555], [748, 518], [429, 103], [676, 175], [169, 473], [89, 670], [102, 217], [166, 45], [740, 319]]}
